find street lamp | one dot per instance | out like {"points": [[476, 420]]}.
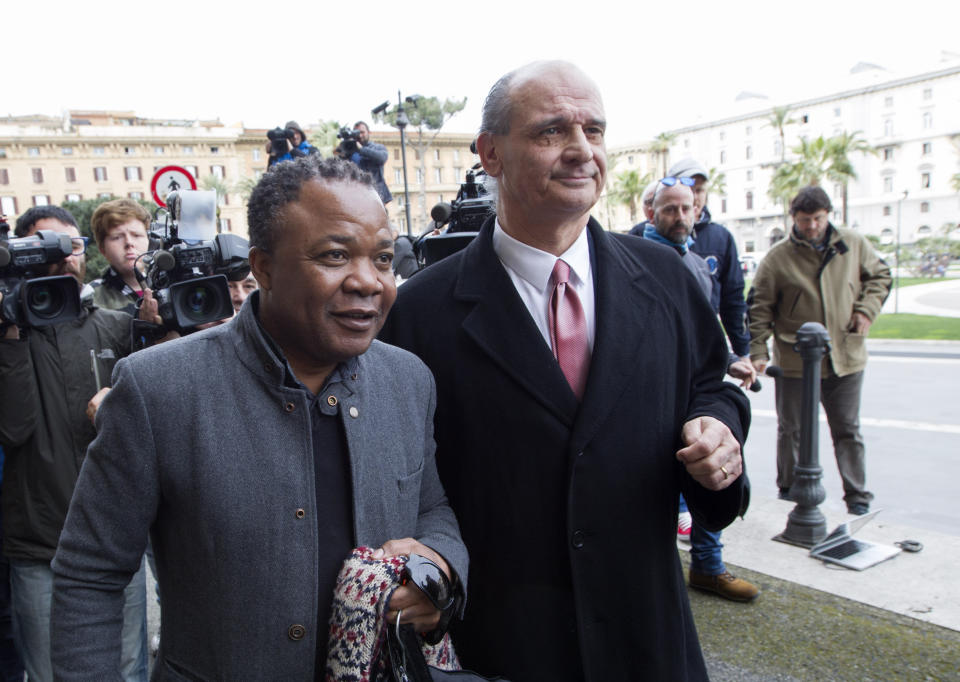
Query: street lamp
{"points": [[896, 283], [401, 123]]}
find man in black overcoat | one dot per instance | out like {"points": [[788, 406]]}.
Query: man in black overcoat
{"points": [[565, 477]]}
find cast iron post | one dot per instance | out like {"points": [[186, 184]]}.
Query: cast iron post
{"points": [[806, 525]]}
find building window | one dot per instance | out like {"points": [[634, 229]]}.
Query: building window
{"points": [[749, 175], [888, 153], [748, 153], [749, 201], [888, 184], [129, 151], [135, 195], [886, 235], [457, 173], [3, 153], [927, 147], [225, 225], [928, 93], [721, 135], [188, 149], [925, 180], [257, 174], [70, 173], [886, 210], [41, 200], [100, 173], [4, 177], [66, 151], [396, 154], [214, 150], [888, 101], [8, 205], [33, 151], [924, 206], [723, 205], [438, 174], [723, 156], [924, 231], [630, 159], [98, 151], [37, 174], [192, 170], [436, 154], [217, 172], [749, 130], [419, 176], [888, 127], [927, 119], [397, 176], [132, 173], [836, 112], [158, 150], [805, 118], [256, 154], [104, 195], [416, 154], [776, 147], [686, 143], [73, 197]]}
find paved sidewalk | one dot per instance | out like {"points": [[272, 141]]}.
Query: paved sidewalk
{"points": [[940, 297]]}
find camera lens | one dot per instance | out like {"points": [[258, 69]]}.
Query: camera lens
{"points": [[45, 300], [199, 303]]}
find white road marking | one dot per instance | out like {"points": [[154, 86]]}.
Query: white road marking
{"points": [[883, 423]]}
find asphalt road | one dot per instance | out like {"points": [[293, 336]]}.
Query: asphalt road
{"points": [[911, 424]]}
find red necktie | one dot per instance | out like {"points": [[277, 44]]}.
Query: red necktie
{"points": [[568, 329]]}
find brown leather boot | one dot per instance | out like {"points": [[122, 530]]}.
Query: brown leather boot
{"points": [[726, 585]]}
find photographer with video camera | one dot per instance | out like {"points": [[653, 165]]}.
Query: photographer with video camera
{"points": [[55, 345], [288, 143], [369, 156]]}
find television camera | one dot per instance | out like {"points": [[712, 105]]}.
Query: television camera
{"points": [[462, 218], [186, 269], [29, 300], [278, 140]]}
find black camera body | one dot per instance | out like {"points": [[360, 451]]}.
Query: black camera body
{"points": [[278, 140], [463, 218], [189, 277], [349, 145], [31, 301]]}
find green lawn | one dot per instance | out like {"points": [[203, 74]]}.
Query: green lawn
{"points": [[907, 326]]}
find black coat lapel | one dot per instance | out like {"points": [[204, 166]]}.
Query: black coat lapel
{"points": [[503, 329], [627, 313]]}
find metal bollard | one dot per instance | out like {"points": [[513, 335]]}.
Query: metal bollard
{"points": [[806, 525]]}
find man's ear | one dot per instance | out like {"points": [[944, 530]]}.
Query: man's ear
{"points": [[489, 154], [260, 266]]}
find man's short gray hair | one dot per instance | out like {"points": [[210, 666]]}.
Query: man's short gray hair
{"points": [[495, 117]]}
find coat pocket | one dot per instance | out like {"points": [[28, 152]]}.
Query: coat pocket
{"points": [[408, 500]]}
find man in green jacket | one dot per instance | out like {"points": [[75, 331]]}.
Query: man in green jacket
{"points": [[834, 277]]}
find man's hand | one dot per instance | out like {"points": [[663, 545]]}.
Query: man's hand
{"points": [[149, 308], [743, 369], [760, 364], [859, 323], [94, 403], [712, 456], [415, 605]]}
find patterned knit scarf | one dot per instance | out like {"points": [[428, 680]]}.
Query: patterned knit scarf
{"points": [[356, 650]]}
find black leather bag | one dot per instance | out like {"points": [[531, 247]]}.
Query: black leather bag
{"points": [[406, 662]]}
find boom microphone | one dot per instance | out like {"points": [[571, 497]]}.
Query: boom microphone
{"points": [[441, 213]]}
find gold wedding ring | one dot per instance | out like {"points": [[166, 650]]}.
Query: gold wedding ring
{"points": [[725, 473]]}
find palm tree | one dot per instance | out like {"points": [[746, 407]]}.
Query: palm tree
{"points": [[660, 147], [809, 169], [218, 185], [628, 189], [718, 183], [780, 118], [840, 168]]}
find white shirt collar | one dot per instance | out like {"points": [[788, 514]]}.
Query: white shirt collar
{"points": [[535, 266]]}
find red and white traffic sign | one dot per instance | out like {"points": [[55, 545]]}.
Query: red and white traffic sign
{"points": [[169, 179]]}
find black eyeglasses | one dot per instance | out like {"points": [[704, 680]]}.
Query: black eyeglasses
{"points": [[431, 580], [79, 244], [670, 181]]}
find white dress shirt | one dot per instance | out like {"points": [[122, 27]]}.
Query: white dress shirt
{"points": [[530, 271]]}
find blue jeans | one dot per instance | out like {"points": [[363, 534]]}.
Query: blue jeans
{"points": [[31, 587], [706, 550]]}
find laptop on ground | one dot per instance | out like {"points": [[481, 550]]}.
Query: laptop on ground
{"points": [[840, 548]]}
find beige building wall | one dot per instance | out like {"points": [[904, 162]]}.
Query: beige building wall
{"points": [[90, 154]]}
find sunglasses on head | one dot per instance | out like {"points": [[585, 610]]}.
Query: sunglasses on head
{"points": [[670, 181]]}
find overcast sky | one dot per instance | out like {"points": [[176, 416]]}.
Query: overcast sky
{"points": [[658, 65]]}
